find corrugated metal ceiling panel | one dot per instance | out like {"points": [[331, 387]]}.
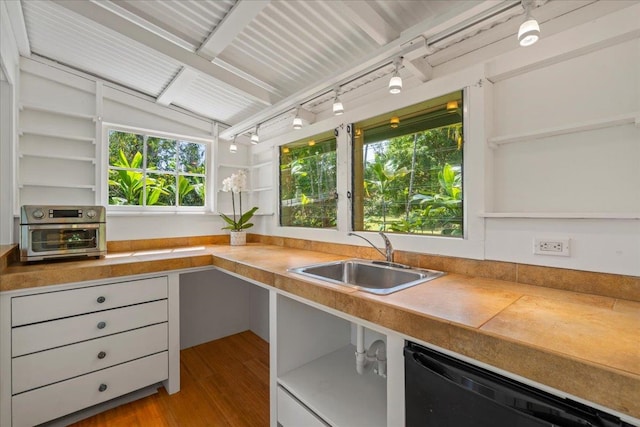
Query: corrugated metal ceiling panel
{"points": [[207, 97], [292, 44], [190, 20], [61, 35]]}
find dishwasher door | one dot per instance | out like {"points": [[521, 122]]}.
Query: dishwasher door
{"points": [[442, 391]]}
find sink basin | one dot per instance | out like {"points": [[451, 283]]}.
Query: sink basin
{"points": [[376, 277]]}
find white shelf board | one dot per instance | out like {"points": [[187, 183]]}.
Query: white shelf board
{"points": [[232, 165], [262, 189], [331, 387], [263, 164], [60, 157], [59, 136], [623, 119], [43, 109], [562, 215], [54, 185]]}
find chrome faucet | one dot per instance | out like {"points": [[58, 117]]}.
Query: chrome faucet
{"points": [[388, 253]]}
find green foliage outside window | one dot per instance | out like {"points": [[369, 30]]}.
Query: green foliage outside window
{"points": [[172, 174], [413, 183], [308, 183]]}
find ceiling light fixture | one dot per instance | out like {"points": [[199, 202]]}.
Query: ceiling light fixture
{"points": [[312, 143], [452, 106], [338, 108], [395, 84], [233, 148], [255, 138], [297, 121], [394, 122], [529, 31]]}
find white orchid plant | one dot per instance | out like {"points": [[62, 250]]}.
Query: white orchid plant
{"points": [[237, 183]]}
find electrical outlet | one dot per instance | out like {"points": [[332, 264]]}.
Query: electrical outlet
{"points": [[556, 247]]}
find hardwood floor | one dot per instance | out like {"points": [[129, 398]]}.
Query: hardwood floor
{"points": [[223, 383]]}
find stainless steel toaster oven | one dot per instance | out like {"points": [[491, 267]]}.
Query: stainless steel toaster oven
{"points": [[48, 232]]}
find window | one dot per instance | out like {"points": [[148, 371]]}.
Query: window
{"points": [[407, 170], [308, 182], [146, 170]]}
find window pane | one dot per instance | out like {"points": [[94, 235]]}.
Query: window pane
{"points": [[308, 183], [125, 187], [192, 157], [125, 149], [408, 172], [161, 190], [161, 154], [191, 191]]}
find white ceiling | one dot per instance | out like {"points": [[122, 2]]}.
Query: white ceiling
{"points": [[242, 62]]}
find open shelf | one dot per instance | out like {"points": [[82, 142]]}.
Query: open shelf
{"points": [[60, 157], [59, 136], [43, 109], [54, 185], [623, 119], [562, 215], [331, 387]]}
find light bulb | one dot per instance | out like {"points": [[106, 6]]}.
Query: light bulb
{"points": [[529, 32], [338, 108], [395, 84], [297, 123]]}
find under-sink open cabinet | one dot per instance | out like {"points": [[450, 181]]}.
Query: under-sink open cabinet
{"points": [[313, 369]]}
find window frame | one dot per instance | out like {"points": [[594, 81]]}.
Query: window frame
{"points": [[155, 209], [324, 137], [422, 116]]}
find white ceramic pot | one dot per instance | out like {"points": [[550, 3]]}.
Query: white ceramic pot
{"points": [[238, 238]]}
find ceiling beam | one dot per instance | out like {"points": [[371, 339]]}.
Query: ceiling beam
{"points": [[186, 58], [361, 13], [242, 13], [14, 10], [179, 84], [222, 35]]}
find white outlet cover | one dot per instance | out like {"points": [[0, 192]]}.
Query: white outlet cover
{"points": [[553, 246]]}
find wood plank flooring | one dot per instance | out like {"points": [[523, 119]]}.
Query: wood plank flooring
{"points": [[223, 383]]}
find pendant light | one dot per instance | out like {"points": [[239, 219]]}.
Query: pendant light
{"points": [[529, 31], [338, 108], [233, 148], [395, 84], [297, 121], [255, 138]]}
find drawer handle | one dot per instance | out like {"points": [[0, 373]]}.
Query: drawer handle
{"points": [[102, 388], [102, 325], [101, 300], [102, 355]]}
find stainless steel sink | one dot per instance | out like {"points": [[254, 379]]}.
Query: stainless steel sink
{"points": [[377, 277]]}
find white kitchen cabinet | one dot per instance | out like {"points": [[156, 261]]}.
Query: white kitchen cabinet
{"points": [[74, 346], [316, 365]]}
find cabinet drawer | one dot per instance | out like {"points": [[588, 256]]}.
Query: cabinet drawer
{"points": [[292, 413], [47, 367], [47, 403], [54, 305], [43, 336]]}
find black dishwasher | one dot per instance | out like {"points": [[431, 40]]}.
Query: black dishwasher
{"points": [[442, 391]]}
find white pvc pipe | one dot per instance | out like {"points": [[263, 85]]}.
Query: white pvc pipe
{"points": [[361, 354]]}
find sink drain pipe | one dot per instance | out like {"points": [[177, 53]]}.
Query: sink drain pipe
{"points": [[376, 352]]}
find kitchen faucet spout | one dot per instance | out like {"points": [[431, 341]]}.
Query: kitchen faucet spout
{"points": [[388, 253]]}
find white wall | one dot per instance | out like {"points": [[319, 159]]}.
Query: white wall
{"points": [[214, 305], [9, 77]]}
